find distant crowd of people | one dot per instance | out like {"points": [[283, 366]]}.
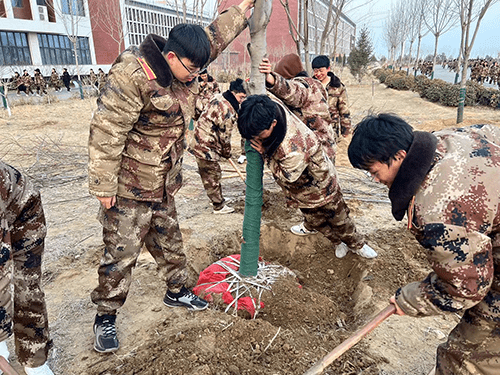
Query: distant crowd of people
{"points": [[37, 85], [481, 70]]}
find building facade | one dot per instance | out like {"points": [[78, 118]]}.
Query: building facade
{"points": [[279, 38], [45, 34], [118, 24]]}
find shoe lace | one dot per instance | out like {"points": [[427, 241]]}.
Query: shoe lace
{"points": [[189, 294], [108, 328]]}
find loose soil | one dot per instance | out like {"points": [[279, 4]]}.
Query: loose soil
{"points": [[305, 317]]}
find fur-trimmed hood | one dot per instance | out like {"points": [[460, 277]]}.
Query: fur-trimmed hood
{"points": [[334, 80], [416, 165], [152, 50]]}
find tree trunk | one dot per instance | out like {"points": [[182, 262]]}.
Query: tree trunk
{"points": [[435, 54], [418, 53]]}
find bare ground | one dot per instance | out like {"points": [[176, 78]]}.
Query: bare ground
{"points": [[298, 325]]}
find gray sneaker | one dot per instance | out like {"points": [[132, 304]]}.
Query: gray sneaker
{"points": [[106, 340], [185, 298]]}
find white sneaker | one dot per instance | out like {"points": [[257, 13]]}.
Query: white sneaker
{"points": [[242, 159], [341, 250], [224, 210], [301, 230], [41, 370], [366, 252]]}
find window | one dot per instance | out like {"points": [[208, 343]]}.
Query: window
{"points": [[73, 7], [17, 3], [41, 2], [58, 50], [14, 49]]}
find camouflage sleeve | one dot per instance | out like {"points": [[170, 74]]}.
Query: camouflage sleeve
{"points": [[224, 29], [293, 94], [212, 133], [462, 261], [291, 167], [344, 113], [118, 109]]}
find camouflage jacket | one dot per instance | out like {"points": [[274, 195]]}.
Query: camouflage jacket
{"points": [[455, 215], [300, 166], [206, 94], [39, 80], [212, 132], [137, 132], [54, 77], [338, 106], [15, 195], [306, 98]]}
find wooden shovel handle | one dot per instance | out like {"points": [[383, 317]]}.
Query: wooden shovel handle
{"points": [[237, 169], [6, 367], [351, 341]]}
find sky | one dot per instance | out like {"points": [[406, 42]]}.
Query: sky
{"points": [[487, 41]]}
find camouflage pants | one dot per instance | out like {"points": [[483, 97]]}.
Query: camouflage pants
{"points": [[21, 254], [211, 174], [127, 226], [473, 348], [333, 221]]}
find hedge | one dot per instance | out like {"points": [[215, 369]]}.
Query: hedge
{"points": [[439, 91]]}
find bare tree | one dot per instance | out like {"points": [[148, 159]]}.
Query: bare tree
{"points": [[470, 11], [440, 16], [391, 34], [294, 31], [72, 14], [402, 14], [416, 27], [111, 20]]}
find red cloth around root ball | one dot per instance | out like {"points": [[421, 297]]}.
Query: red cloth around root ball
{"points": [[214, 274]]}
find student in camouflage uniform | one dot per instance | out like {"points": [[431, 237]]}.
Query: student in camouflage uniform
{"points": [[306, 98], [102, 78], [208, 86], [136, 145], [40, 83], [337, 96], [54, 80], [447, 183], [22, 226], [27, 82], [299, 165], [212, 140], [303, 95], [93, 79]]}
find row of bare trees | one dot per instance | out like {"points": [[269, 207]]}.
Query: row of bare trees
{"points": [[411, 20], [325, 16]]}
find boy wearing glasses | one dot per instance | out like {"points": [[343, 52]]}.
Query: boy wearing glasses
{"points": [[135, 147]]}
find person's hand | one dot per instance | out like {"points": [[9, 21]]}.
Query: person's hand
{"points": [[107, 202], [398, 310], [257, 146], [265, 68], [246, 5]]}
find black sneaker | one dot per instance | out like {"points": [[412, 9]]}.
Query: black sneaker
{"points": [[185, 298], [105, 334]]}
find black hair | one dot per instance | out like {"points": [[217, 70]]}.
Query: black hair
{"points": [[237, 86], [256, 114], [379, 138], [320, 61], [189, 41]]}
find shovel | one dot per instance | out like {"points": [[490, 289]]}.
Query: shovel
{"points": [[6, 367], [351, 341]]}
